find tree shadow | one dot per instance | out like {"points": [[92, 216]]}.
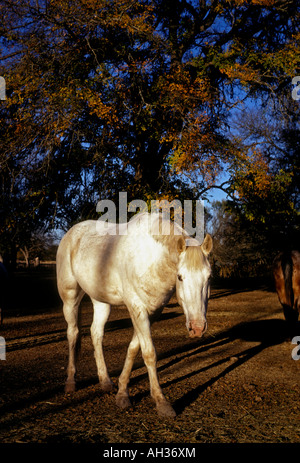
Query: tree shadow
{"points": [[113, 325], [265, 332], [268, 332], [229, 292], [189, 397]]}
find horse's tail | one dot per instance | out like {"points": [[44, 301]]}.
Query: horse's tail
{"points": [[287, 269]]}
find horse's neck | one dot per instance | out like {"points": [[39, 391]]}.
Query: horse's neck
{"points": [[149, 259], [161, 275], [156, 285]]}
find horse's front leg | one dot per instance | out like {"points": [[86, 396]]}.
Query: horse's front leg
{"points": [[141, 324]]}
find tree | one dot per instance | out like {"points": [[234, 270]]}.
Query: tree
{"points": [[104, 96], [240, 249], [38, 247], [266, 179]]}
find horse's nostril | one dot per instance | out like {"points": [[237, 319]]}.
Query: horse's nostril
{"points": [[197, 329]]}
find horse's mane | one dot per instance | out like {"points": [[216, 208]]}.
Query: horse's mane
{"points": [[168, 233], [195, 257]]}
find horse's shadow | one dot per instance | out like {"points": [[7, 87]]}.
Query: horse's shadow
{"points": [[265, 332]]}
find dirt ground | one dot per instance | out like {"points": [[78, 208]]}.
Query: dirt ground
{"points": [[237, 384]]}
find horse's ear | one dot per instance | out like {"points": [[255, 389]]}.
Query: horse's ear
{"points": [[207, 245], [181, 244]]}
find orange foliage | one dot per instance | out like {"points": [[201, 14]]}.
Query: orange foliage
{"points": [[252, 175]]}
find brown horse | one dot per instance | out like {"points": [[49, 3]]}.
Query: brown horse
{"points": [[286, 271]]}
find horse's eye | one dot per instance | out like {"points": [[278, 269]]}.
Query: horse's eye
{"points": [[179, 277]]}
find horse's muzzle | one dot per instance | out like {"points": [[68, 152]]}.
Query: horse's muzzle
{"points": [[196, 330]]}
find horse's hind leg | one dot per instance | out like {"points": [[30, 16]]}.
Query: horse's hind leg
{"points": [[72, 298], [122, 398], [101, 314]]}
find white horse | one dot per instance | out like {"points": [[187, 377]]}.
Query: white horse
{"points": [[140, 268]]}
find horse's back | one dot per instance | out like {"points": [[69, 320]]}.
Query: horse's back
{"points": [[88, 257], [71, 241], [67, 251], [115, 263]]}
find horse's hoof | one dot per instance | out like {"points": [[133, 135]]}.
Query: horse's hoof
{"points": [[166, 410], [123, 401], [70, 386], [107, 386]]}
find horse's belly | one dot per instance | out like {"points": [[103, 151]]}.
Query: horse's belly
{"points": [[109, 297], [101, 288]]}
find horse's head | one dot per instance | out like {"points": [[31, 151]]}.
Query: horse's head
{"points": [[192, 285]]}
